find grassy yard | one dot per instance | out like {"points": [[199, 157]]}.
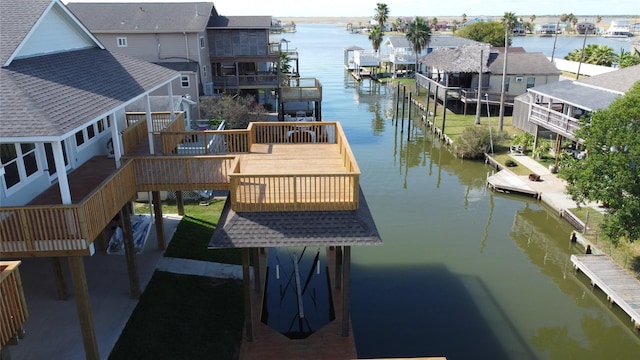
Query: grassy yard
{"points": [[183, 316], [194, 232]]}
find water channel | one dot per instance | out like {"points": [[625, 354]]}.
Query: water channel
{"points": [[463, 272]]}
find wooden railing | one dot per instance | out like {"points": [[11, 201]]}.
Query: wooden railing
{"points": [[13, 309], [176, 173], [208, 142], [133, 135], [301, 89], [554, 120], [58, 230], [159, 119], [292, 132], [304, 192]]}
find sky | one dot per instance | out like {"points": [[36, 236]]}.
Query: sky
{"points": [[427, 8]]}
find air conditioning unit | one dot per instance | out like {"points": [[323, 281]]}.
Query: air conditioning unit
{"points": [[519, 79]]}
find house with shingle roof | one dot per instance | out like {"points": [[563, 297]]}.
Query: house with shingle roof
{"points": [[66, 101], [63, 97], [455, 71], [557, 107], [173, 35]]}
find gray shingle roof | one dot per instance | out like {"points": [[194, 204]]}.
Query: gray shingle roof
{"points": [[296, 228], [574, 93], [436, 41], [240, 22], [524, 64], [16, 19], [54, 94], [620, 80], [143, 17]]}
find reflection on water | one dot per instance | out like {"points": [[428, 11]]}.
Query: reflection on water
{"points": [[463, 272], [297, 295]]}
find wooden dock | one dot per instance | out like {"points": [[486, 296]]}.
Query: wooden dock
{"points": [[620, 287], [508, 182]]}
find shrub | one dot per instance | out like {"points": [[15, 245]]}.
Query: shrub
{"points": [[473, 143], [510, 163], [237, 111], [524, 139]]}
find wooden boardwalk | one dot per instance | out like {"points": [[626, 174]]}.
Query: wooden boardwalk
{"points": [[619, 286], [506, 181]]}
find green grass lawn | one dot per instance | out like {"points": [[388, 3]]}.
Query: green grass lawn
{"points": [[194, 232], [184, 317]]}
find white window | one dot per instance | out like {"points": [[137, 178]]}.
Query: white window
{"points": [[531, 82], [19, 162], [184, 81], [201, 42], [122, 42]]}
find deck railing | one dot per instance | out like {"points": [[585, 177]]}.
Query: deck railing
{"points": [[133, 135], [299, 192], [177, 173], [13, 309], [554, 120], [159, 119], [57, 230], [301, 89], [208, 142]]}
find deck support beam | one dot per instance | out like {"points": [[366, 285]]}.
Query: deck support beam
{"points": [[180, 203], [256, 270], [346, 291], [61, 286], [81, 292], [130, 251], [338, 270], [157, 211], [246, 285]]}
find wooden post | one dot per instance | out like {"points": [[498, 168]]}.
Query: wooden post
{"points": [[157, 211], [81, 292], [397, 102], [180, 203], [404, 89], [435, 105], [444, 110], [130, 251], [58, 275], [409, 118], [346, 298], [428, 100], [256, 271], [246, 284], [338, 272]]}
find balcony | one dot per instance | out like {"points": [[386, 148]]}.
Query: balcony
{"points": [[553, 120], [13, 312], [272, 166], [301, 89]]}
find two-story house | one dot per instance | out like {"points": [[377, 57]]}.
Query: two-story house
{"points": [[557, 107], [453, 74], [173, 35], [73, 157]]}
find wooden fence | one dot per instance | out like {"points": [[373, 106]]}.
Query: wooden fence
{"points": [[13, 309]]}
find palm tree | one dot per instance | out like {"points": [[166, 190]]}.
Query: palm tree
{"points": [[532, 18], [509, 21], [464, 18], [382, 14], [375, 35], [419, 35]]}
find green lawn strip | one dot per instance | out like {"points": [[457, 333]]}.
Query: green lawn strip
{"points": [[518, 170], [184, 317], [194, 232]]}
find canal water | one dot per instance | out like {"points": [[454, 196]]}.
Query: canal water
{"points": [[463, 273]]}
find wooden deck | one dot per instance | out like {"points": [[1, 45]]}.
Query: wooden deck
{"points": [[620, 287], [506, 181], [290, 159]]}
